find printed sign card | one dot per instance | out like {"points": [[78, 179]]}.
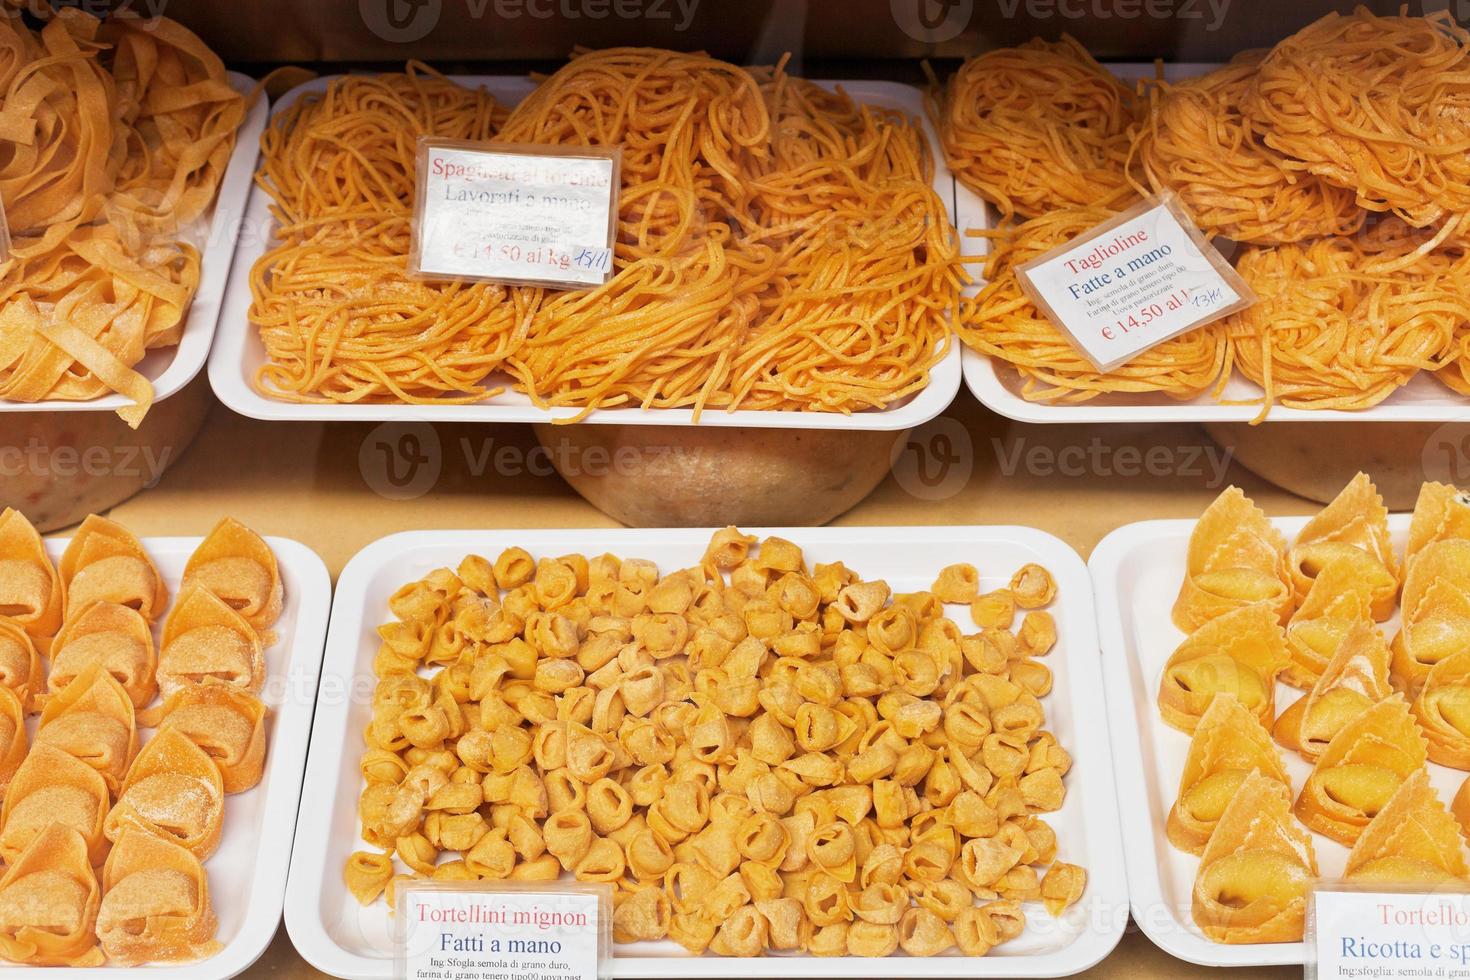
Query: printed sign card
{"points": [[521, 215], [502, 930], [1385, 932], [1134, 282]]}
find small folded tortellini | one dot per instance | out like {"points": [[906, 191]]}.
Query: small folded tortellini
{"points": [[236, 565], [106, 562], [1354, 679], [1256, 870], [52, 787], [207, 642], [93, 721], [155, 903], [1342, 594], [368, 873], [113, 635], [1228, 746], [173, 790], [31, 591], [1412, 840], [1360, 769], [1239, 653], [1355, 519], [226, 722], [1443, 711], [48, 903], [1236, 558], [1441, 513], [13, 741], [1436, 612], [20, 664]]}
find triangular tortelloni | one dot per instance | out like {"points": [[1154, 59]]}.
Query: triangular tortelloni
{"points": [[93, 720], [31, 590], [1256, 870], [1228, 746], [1441, 513], [48, 903], [227, 723], [1355, 678], [1443, 711], [155, 903], [118, 638], [20, 664], [1341, 595], [13, 741], [1460, 807], [173, 790], [206, 642], [1413, 840], [1360, 769], [1356, 518], [1236, 558], [236, 564], [1239, 653], [1436, 612], [105, 561], [52, 787]]}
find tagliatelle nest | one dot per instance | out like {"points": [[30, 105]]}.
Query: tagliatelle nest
{"points": [[1037, 127], [1003, 323], [1377, 105], [1342, 324], [1196, 143]]}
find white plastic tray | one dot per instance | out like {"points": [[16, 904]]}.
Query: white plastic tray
{"points": [[1136, 571], [238, 352], [339, 937], [170, 368], [247, 875], [998, 386]]}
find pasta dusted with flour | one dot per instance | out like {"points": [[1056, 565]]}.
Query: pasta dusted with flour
{"points": [[758, 755], [778, 247], [117, 132]]}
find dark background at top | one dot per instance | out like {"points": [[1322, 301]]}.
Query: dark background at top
{"points": [[833, 38]]}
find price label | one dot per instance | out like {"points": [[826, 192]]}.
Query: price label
{"points": [[1134, 282], [515, 931], [525, 215], [1385, 933]]}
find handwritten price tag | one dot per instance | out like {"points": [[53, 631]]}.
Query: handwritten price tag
{"points": [[502, 930], [541, 216], [1134, 282]]}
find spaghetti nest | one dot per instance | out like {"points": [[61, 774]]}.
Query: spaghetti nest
{"points": [[1377, 105], [1004, 324], [777, 247], [114, 136], [1037, 127], [1333, 332], [1196, 143]]}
